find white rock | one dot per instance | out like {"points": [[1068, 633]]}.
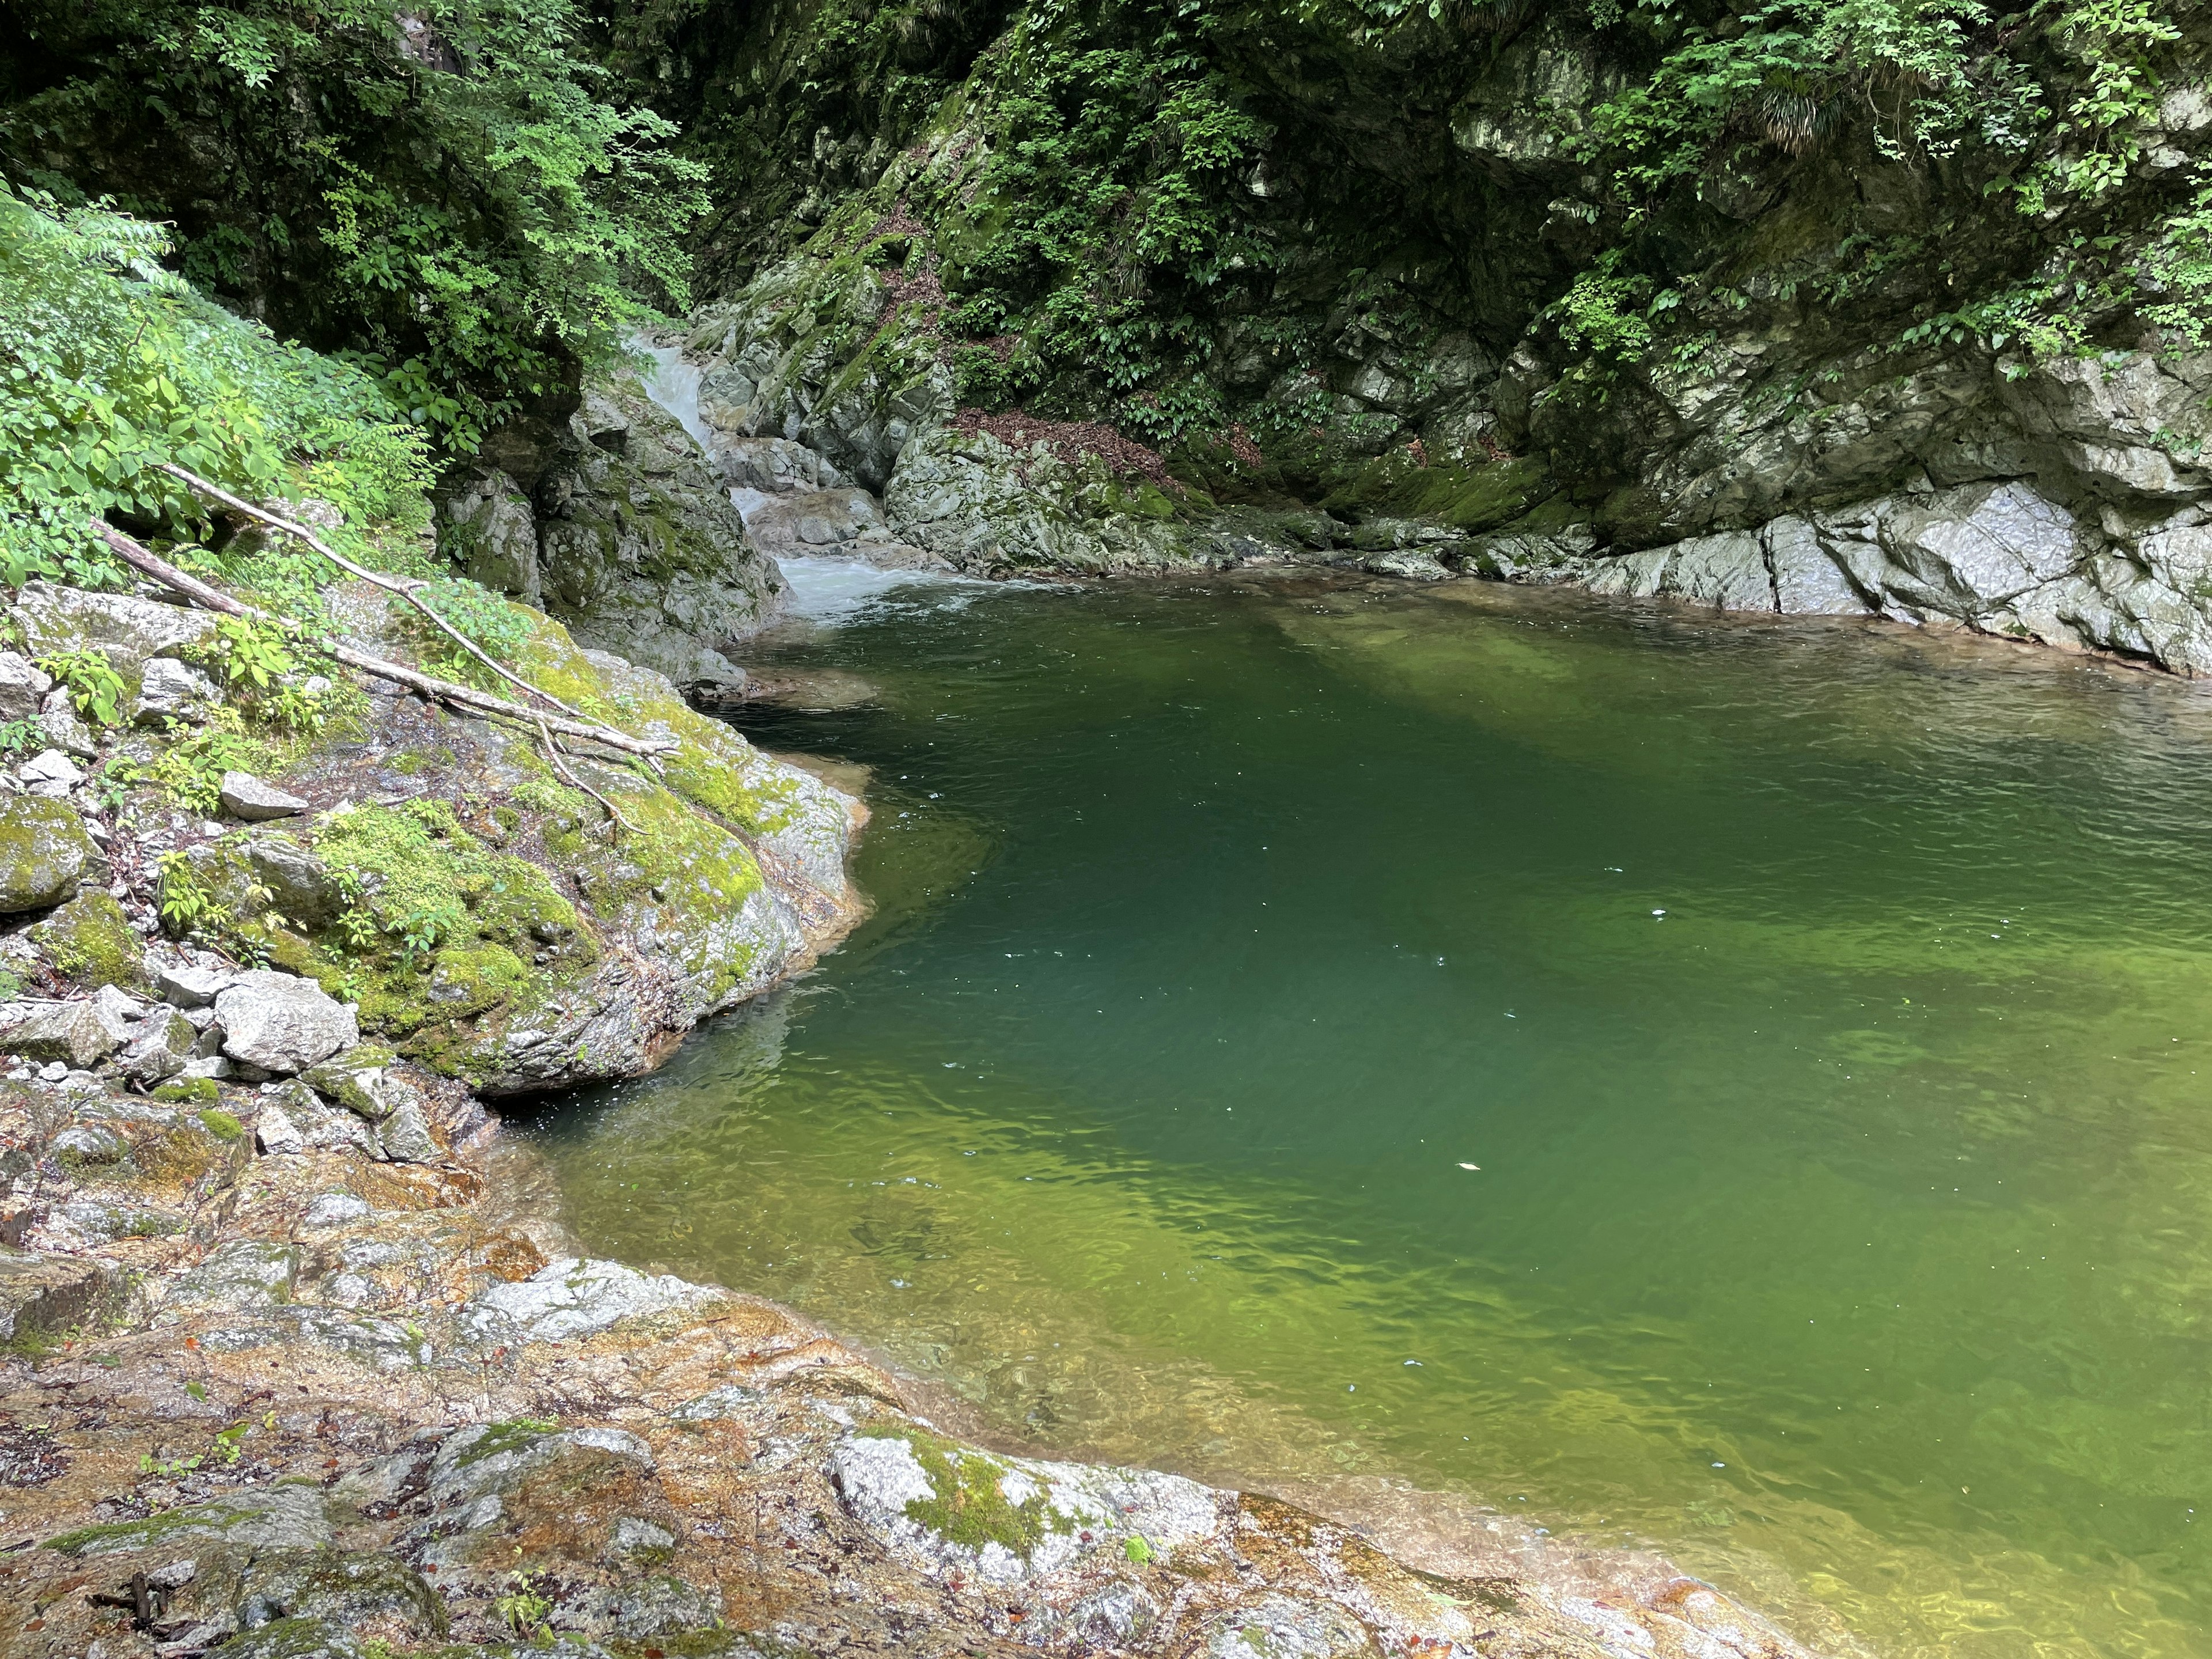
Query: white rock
{"points": [[23, 686], [244, 796], [193, 987], [280, 1023], [576, 1296], [333, 1210], [175, 690], [50, 772], [276, 1132]]}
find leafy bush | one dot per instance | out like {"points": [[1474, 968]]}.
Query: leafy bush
{"points": [[442, 189], [110, 365]]}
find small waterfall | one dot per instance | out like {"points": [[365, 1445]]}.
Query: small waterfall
{"points": [[673, 384]]}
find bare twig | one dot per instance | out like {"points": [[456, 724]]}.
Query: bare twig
{"points": [[138, 558], [560, 767], [404, 587]]}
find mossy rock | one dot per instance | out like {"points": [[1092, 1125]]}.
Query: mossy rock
{"points": [[91, 942], [45, 853]]}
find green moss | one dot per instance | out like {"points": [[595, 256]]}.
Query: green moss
{"points": [[970, 1506], [90, 940], [219, 1123], [517, 1434], [1471, 499]]}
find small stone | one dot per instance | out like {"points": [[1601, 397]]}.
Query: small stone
{"points": [[175, 690], [275, 1132], [23, 686], [191, 988], [406, 1136], [53, 1071], [212, 1066], [247, 797]]}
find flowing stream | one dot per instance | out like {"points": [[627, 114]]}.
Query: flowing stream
{"points": [[1739, 1087]]}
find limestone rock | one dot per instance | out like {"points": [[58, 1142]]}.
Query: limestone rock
{"points": [[50, 773], [359, 1081], [170, 690], [23, 687], [275, 1132], [91, 941], [244, 796], [64, 728], [300, 887], [127, 629], [189, 987], [45, 854], [159, 1050], [73, 1033], [577, 1296], [283, 1024], [407, 1136], [641, 551]]}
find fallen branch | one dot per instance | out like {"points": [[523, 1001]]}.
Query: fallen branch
{"points": [[561, 769], [404, 587], [467, 696]]}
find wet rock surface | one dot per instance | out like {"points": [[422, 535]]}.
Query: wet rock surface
{"points": [[335, 1404]]}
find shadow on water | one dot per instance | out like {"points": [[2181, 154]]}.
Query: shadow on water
{"points": [[1819, 1007]]}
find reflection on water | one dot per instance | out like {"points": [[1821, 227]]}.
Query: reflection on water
{"points": [[1820, 1005]]}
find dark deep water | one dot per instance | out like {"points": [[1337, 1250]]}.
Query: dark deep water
{"points": [[1845, 1230]]}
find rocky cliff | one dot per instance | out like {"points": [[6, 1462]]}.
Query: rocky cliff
{"points": [[1798, 310]]}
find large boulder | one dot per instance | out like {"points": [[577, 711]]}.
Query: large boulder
{"points": [[44, 854], [280, 1023], [78, 1034], [129, 631], [641, 551]]}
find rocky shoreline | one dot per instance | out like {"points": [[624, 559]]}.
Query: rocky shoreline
{"points": [[300, 1361]]}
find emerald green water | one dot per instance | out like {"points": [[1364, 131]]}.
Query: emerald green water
{"points": [[1847, 1231]]}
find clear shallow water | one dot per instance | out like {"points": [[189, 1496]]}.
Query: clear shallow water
{"points": [[1846, 1231]]}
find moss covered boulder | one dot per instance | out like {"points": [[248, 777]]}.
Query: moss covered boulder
{"points": [[44, 854], [91, 942]]}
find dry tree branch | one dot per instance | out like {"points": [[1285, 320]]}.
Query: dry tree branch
{"points": [[560, 767], [404, 587], [467, 696]]}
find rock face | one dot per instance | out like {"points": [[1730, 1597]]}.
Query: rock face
{"points": [[628, 538], [1491, 335]]}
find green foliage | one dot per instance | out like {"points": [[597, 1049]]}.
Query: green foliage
{"points": [[110, 365], [445, 192], [185, 905], [252, 655], [1788, 73], [525, 1608], [475, 612], [190, 765], [1110, 206], [94, 686]]}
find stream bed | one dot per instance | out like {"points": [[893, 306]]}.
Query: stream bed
{"points": [[1744, 1088]]}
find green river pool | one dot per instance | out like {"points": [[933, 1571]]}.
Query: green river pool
{"points": [[1743, 1088]]}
